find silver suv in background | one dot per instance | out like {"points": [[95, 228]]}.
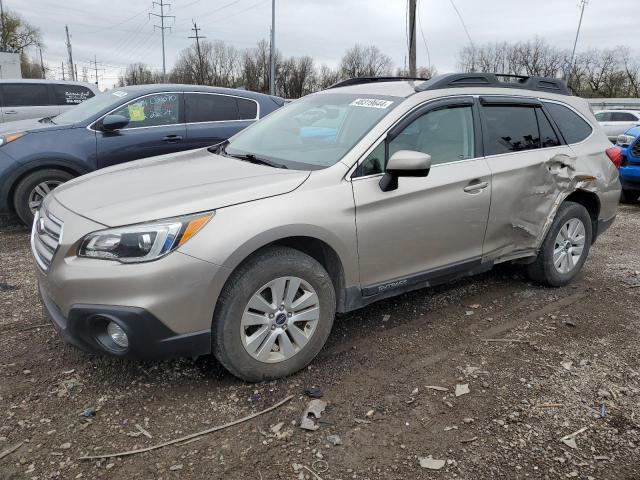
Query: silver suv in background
{"points": [[26, 99], [616, 122], [363, 191]]}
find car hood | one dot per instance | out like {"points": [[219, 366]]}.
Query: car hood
{"points": [[172, 185], [30, 125]]}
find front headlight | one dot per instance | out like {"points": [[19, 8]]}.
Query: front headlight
{"points": [[624, 139], [4, 139], [144, 242]]}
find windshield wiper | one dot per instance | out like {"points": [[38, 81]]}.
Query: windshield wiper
{"points": [[250, 157], [47, 120]]}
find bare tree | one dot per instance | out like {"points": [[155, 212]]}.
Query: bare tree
{"points": [[361, 61], [139, 74], [17, 35]]}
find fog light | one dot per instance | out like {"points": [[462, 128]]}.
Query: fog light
{"points": [[117, 335]]}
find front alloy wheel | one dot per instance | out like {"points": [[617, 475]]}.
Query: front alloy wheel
{"points": [[280, 319], [39, 192], [273, 315]]}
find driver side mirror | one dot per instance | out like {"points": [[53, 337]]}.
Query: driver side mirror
{"points": [[114, 122], [404, 163]]}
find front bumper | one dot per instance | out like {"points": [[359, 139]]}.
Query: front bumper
{"points": [[165, 307], [85, 328]]}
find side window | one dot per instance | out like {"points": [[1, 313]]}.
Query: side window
{"points": [[548, 136], [510, 129], [152, 110], [574, 128], [603, 116], [247, 109], [209, 107], [623, 117], [25, 95], [71, 94], [446, 134]]}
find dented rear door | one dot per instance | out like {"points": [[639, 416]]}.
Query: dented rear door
{"points": [[530, 165]]}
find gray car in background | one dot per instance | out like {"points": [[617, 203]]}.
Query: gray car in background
{"points": [[26, 99], [363, 191]]}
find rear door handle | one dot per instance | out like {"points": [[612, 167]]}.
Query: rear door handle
{"points": [[172, 138], [476, 187], [11, 112]]}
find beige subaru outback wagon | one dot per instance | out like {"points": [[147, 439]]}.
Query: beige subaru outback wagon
{"points": [[363, 191]]}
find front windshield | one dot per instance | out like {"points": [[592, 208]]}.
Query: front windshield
{"points": [[314, 132], [89, 108]]}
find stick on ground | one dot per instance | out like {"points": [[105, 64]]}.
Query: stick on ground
{"points": [[10, 450], [189, 437]]}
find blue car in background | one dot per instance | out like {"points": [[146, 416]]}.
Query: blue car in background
{"points": [[114, 127], [629, 144]]}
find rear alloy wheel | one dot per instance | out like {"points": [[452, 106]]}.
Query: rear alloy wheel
{"points": [[565, 248], [32, 189], [274, 315]]}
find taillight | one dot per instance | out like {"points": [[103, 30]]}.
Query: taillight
{"points": [[615, 155]]}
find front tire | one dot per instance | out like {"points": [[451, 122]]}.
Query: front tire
{"points": [[274, 315], [32, 189], [565, 248]]}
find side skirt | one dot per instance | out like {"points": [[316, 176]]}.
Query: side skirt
{"points": [[357, 297]]}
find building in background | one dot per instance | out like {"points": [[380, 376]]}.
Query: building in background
{"points": [[10, 65]]}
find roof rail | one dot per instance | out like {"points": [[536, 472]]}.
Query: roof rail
{"points": [[496, 80], [362, 80]]}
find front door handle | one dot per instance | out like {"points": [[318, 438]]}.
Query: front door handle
{"points": [[476, 187], [172, 138], [11, 112]]}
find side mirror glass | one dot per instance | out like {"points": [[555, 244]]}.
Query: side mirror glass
{"points": [[114, 122], [405, 163]]}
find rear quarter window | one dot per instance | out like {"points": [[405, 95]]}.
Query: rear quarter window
{"points": [[573, 127]]}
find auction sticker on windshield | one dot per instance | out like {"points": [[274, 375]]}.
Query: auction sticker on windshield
{"points": [[370, 103]]}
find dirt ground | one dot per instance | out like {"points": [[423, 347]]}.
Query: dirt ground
{"points": [[573, 366]]}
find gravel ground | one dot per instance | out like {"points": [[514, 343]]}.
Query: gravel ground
{"points": [[567, 361]]}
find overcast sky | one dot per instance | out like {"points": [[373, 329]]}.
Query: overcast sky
{"points": [[119, 32]]}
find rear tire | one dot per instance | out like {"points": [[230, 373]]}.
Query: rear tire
{"points": [[629, 196], [557, 263], [243, 315], [32, 189]]}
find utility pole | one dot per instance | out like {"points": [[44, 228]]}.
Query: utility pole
{"points": [[2, 45], [200, 62], [62, 63], [412, 38], [71, 68], [44, 72], [583, 3], [95, 66], [272, 76], [162, 28]]}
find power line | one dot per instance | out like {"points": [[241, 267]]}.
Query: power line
{"points": [[464, 25], [162, 28], [424, 39]]}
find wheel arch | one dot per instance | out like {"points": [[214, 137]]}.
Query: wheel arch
{"points": [[30, 168], [591, 202], [319, 250]]}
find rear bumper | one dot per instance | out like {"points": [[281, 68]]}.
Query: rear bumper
{"points": [[85, 328]]}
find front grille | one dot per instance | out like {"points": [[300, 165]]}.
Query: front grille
{"points": [[45, 238], [635, 149]]}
